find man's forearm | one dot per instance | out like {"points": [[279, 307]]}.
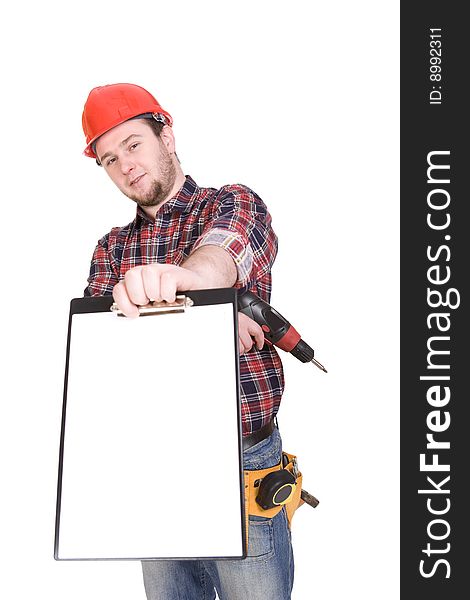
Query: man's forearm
{"points": [[213, 265]]}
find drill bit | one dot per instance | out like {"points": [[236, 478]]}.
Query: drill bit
{"points": [[318, 364]]}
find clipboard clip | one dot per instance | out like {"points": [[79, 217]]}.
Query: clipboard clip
{"points": [[159, 308]]}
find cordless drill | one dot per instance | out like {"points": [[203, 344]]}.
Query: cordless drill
{"points": [[277, 330]]}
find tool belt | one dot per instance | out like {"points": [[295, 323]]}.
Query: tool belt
{"points": [[288, 494]]}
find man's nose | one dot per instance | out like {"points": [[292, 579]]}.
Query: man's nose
{"points": [[126, 165]]}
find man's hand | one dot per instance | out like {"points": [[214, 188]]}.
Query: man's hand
{"points": [[161, 282], [153, 282], [247, 330], [206, 268]]}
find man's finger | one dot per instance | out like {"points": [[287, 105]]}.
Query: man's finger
{"points": [[169, 283], [259, 338], [122, 300], [151, 282], [135, 286], [246, 340], [256, 331]]}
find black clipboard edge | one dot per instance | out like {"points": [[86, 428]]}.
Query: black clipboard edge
{"points": [[103, 304], [199, 297], [62, 438]]}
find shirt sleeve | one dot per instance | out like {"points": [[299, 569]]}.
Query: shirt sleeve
{"points": [[102, 278], [241, 224]]}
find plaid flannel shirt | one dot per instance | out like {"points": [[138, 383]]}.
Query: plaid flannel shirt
{"points": [[234, 218]]}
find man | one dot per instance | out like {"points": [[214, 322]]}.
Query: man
{"points": [[185, 237]]}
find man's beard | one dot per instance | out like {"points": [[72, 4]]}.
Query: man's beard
{"points": [[159, 190]]}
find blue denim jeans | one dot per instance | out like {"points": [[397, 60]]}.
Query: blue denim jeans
{"points": [[267, 572]]}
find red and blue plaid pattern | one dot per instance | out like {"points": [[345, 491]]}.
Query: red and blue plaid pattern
{"points": [[234, 218]]}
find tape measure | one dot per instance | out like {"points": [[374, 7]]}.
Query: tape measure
{"points": [[276, 489]]}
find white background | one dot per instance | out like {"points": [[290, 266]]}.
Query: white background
{"points": [[298, 101]]}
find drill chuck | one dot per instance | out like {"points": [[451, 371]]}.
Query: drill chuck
{"points": [[303, 352]]}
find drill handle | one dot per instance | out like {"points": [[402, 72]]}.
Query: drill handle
{"points": [[273, 324]]}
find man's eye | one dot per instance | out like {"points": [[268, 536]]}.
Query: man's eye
{"points": [[133, 146], [110, 161]]}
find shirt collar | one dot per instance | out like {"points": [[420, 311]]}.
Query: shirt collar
{"points": [[181, 202]]}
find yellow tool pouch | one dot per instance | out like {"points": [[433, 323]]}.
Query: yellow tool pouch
{"points": [[254, 478], [295, 501]]}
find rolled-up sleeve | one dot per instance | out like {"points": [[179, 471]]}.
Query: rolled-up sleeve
{"points": [[241, 225]]}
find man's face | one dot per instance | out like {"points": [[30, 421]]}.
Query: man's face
{"points": [[138, 162]]}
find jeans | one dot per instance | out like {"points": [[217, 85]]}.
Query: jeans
{"points": [[267, 572]]}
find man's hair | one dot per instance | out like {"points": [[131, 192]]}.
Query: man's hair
{"points": [[155, 126]]}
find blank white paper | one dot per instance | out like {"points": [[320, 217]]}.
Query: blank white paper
{"points": [[151, 460]]}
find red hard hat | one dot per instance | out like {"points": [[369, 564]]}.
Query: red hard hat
{"points": [[110, 105]]}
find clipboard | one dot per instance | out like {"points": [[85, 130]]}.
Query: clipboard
{"points": [[150, 463]]}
